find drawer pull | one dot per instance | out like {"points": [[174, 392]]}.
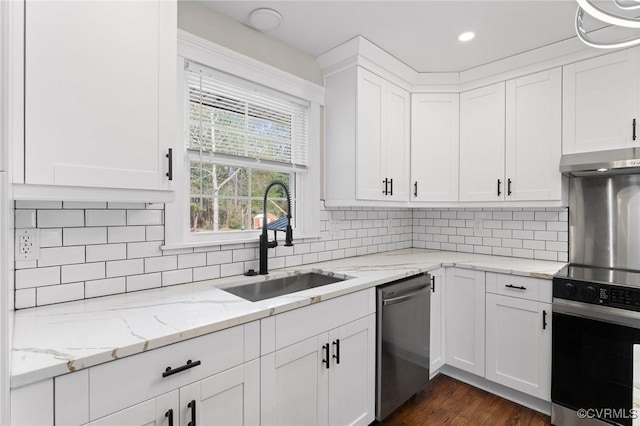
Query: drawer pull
{"points": [[516, 287], [169, 371], [169, 415], [192, 405]]}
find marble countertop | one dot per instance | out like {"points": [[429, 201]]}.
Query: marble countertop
{"points": [[52, 340]]}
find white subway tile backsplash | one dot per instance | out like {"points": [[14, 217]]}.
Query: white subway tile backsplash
{"points": [[59, 293], [106, 252], [83, 272], [146, 249], [179, 276], [244, 254], [61, 256], [161, 263], [219, 257], [105, 287], [192, 260], [143, 282], [120, 268], [27, 204], [120, 205], [26, 278], [144, 217], [84, 205], [126, 234], [25, 219], [25, 298], [155, 233], [60, 218], [84, 236], [105, 217], [229, 269], [206, 273], [51, 237]]}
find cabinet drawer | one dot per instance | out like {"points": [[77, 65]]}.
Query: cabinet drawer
{"points": [[522, 287], [300, 324], [126, 382]]}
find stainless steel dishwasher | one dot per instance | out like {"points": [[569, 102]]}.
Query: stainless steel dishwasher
{"points": [[402, 362]]}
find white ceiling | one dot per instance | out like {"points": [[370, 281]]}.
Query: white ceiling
{"points": [[422, 34]]}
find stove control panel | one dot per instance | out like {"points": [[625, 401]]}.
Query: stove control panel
{"points": [[597, 294]]}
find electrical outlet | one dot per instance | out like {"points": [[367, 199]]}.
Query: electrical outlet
{"points": [[477, 224], [27, 244], [333, 228]]}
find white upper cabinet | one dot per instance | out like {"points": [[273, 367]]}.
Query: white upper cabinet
{"points": [[601, 102], [382, 149], [434, 147], [533, 137], [100, 93], [482, 136], [367, 126], [510, 143]]}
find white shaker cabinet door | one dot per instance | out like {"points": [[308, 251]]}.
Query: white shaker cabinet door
{"points": [[437, 321], [465, 315], [230, 398], [435, 130], [100, 96], [533, 137], [154, 412], [371, 127], [601, 99], [482, 139], [294, 384], [352, 375], [519, 344]]}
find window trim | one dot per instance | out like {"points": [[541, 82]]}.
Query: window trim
{"points": [[307, 215]]}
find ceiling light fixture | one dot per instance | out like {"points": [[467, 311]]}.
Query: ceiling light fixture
{"points": [[609, 18], [265, 19], [467, 36]]}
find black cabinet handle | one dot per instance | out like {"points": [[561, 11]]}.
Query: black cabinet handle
{"points": [[170, 371], [499, 183], [386, 182], [508, 186], [325, 359], [169, 174], [634, 129], [390, 186], [169, 415], [192, 405], [516, 287], [433, 284], [336, 356], [415, 189], [544, 320]]}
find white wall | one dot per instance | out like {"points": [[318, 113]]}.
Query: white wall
{"points": [[198, 19]]}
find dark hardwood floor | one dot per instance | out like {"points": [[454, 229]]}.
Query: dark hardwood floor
{"points": [[447, 401]]}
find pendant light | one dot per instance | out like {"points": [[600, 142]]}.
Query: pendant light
{"points": [[610, 18]]}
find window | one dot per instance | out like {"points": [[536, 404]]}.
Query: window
{"points": [[239, 141], [238, 138]]}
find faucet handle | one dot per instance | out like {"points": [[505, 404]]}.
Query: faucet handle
{"points": [[288, 237]]}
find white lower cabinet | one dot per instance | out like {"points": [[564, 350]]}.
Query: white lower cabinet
{"points": [[464, 320], [519, 344], [437, 321], [327, 379], [162, 410], [231, 398]]}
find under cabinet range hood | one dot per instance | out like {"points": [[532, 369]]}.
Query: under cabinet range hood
{"points": [[615, 161]]}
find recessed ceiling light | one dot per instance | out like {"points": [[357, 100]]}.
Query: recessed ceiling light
{"points": [[265, 19], [469, 35], [603, 170]]}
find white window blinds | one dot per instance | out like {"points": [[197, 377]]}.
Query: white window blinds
{"points": [[229, 118]]}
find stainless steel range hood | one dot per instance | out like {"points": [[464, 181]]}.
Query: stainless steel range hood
{"points": [[615, 161]]}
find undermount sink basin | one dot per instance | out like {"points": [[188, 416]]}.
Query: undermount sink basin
{"points": [[280, 286]]}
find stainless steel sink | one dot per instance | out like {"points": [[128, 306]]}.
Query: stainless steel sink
{"points": [[280, 286]]}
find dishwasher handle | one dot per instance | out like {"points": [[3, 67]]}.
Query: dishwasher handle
{"points": [[404, 297]]}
